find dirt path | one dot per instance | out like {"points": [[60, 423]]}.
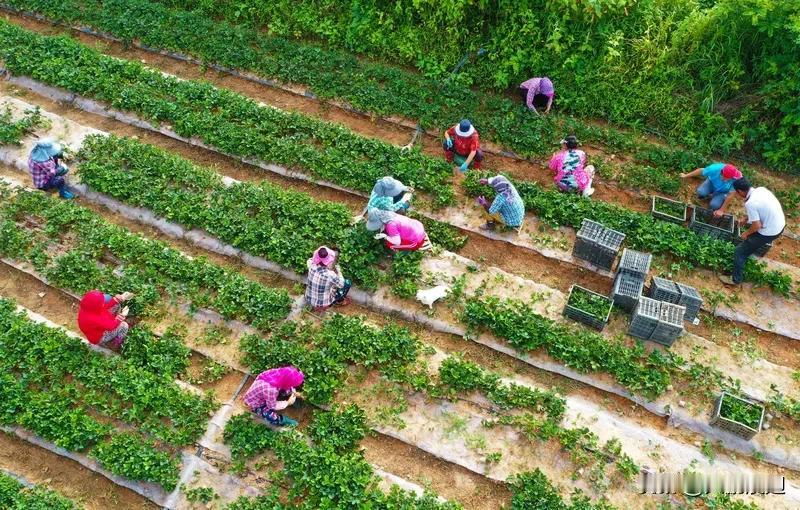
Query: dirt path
{"points": [[93, 491], [534, 170]]}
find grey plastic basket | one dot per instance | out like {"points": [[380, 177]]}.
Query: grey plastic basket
{"points": [[597, 244], [680, 220], [704, 223], [734, 427], [691, 299], [627, 291], [737, 240], [670, 324], [662, 289], [645, 318], [634, 263], [584, 317]]}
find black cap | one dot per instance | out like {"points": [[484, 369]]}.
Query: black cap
{"points": [[571, 141]]}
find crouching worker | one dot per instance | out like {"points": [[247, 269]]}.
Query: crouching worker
{"points": [[718, 184], [101, 319], [274, 390], [507, 206], [46, 169], [572, 175], [326, 286], [390, 194], [537, 92], [400, 232], [462, 146]]}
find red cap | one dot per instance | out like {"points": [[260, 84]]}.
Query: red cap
{"points": [[731, 172]]}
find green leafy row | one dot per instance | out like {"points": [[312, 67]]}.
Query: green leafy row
{"points": [[642, 232], [366, 85], [15, 496], [328, 473], [55, 386], [77, 249], [12, 131], [584, 351], [220, 118]]}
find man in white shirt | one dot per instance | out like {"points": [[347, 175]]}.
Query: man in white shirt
{"points": [[765, 215]]}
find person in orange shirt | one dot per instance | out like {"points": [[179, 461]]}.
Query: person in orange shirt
{"points": [[461, 143]]}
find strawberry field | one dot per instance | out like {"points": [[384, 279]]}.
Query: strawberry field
{"points": [[211, 157]]}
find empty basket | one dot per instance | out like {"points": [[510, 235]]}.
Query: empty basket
{"points": [[645, 318], [691, 299], [627, 291], [634, 263], [597, 244], [664, 290]]}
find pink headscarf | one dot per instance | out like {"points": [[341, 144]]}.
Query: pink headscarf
{"points": [[327, 261], [284, 378]]}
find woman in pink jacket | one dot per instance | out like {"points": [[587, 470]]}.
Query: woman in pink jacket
{"points": [[400, 232], [572, 175]]}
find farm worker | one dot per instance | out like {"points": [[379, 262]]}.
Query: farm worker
{"points": [[46, 169], [326, 286], [718, 184], [507, 206], [274, 390], [389, 194], [462, 141], [101, 320], [400, 232], [571, 172], [537, 92], [765, 215]]}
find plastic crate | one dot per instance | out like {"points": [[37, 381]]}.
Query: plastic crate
{"points": [[634, 263], [627, 291], [597, 244], [645, 318], [704, 223], [662, 289], [670, 324], [737, 240], [680, 220], [691, 299], [584, 317], [734, 427]]}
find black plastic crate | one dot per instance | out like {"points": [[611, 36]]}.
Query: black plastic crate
{"points": [[737, 240], [634, 263], [734, 427], [585, 317], [670, 324], [691, 299], [645, 318], [704, 223], [597, 244], [662, 289], [627, 291], [680, 219]]}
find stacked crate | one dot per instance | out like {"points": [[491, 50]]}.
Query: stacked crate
{"points": [[668, 291], [629, 282], [658, 321], [597, 244]]}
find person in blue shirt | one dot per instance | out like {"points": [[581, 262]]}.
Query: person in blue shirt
{"points": [[718, 184]]}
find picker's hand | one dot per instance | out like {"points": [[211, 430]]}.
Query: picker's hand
{"points": [[481, 200], [718, 213], [125, 311], [449, 143], [485, 182], [126, 296], [684, 176], [380, 236], [463, 166], [742, 222]]}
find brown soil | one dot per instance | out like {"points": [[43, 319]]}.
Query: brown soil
{"points": [[89, 489]]}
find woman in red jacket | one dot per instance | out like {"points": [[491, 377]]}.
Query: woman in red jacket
{"points": [[101, 320]]}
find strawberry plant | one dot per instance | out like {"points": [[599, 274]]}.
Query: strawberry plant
{"points": [[341, 429], [15, 496], [130, 456], [12, 131]]}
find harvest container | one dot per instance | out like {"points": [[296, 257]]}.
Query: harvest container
{"points": [[737, 415], [737, 240], [645, 318], [662, 289], [668, 210], [588, 307], [634, 263], [670, 324], [691, 299], [597, 244], [627, 291], [704, 223]]}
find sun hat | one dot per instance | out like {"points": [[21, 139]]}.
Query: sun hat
{"points": [[388, 187], [731, 172], [377, 218], [546, 87], [283, 378], [324, 256], [465, 128], [45, 149], [571, 141]]}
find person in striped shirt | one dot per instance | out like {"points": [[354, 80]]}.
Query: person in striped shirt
{"points": [[507, 206], [46, 169]]}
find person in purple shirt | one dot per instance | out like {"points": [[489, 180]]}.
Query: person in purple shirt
{"points": [[537, 92]]}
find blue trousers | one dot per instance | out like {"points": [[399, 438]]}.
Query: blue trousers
{"points": [[717, 197]]}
